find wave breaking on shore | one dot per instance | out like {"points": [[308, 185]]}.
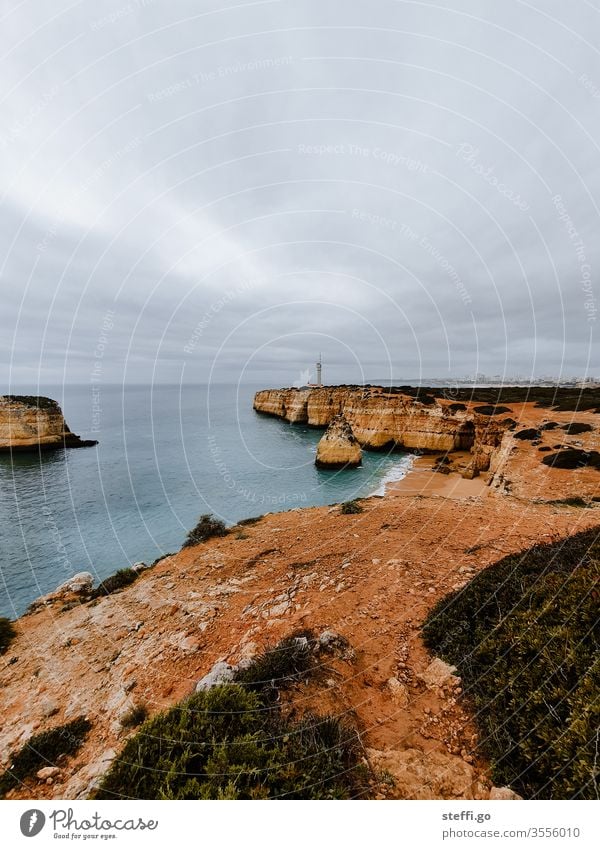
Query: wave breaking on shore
{"points": [[396, 473]]}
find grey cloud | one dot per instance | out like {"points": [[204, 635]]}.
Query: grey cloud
{"points": [[388, 183]]}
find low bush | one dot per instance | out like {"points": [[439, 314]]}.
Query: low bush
{"points": [[528, 433], [122, 578], [573, 458], [252, 520], [278, 667], [40, 402], [43, 750], [234, 742], [7, 633], [573, 428], [350, 507], [571, 501], [489, 410], [161, 558], [135, 716], [524, 634], [208, 526]]}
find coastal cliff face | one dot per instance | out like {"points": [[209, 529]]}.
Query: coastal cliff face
{"points": [[382, 419], [28, 423]]}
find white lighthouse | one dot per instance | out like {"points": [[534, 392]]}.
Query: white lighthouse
{"points": [[319, 365]]}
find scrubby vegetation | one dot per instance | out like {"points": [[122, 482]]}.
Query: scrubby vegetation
{"points": [[525, 635], [39, 402], [43, 750], [573, 428], [252, 520], [122, 578], [208, 526], [571, 501], [528, 433], [573, 458], [161, 558], [351, 507], [555, 397], [236, 741], [276, 668], [490, 410], [7, 633]]}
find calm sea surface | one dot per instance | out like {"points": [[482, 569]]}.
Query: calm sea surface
{"points": [[166, 454]]}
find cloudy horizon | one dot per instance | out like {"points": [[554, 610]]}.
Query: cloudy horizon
{"points": [[194, 193]]}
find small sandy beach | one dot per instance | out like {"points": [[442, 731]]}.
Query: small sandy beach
{"points": [[423, 480]]}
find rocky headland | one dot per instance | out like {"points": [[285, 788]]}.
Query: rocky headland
{"points": [[362, 581], [518, 441], [32, 423]]}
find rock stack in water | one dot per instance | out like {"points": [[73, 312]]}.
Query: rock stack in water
{"points": [[338, 447]]}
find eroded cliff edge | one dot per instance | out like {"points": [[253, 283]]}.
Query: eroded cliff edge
{"points": [[32, 423]]}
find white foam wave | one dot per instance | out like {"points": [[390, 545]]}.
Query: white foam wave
{"points": [[396, 473]]}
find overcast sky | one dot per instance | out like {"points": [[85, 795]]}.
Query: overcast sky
{"points": [[218, 190]]}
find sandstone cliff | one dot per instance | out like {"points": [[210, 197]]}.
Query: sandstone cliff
{"points": [[32, 423], [338, 447], [386, 419]]}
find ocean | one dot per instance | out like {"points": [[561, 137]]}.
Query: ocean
{"points": [[166, 454]]}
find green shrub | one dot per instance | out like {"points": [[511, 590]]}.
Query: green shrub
{"points": [[571, 501], [278, 667], [38, 401], [161, 558], [524, 634], [43, 750], [115, 582], [573, 458], [574, 428], [208, 526], [7, 633], [351, 507], [528, 433], [135, 716], [234, 742]]}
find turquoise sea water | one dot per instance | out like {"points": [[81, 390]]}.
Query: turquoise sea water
{"points": [[166, 454]]}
